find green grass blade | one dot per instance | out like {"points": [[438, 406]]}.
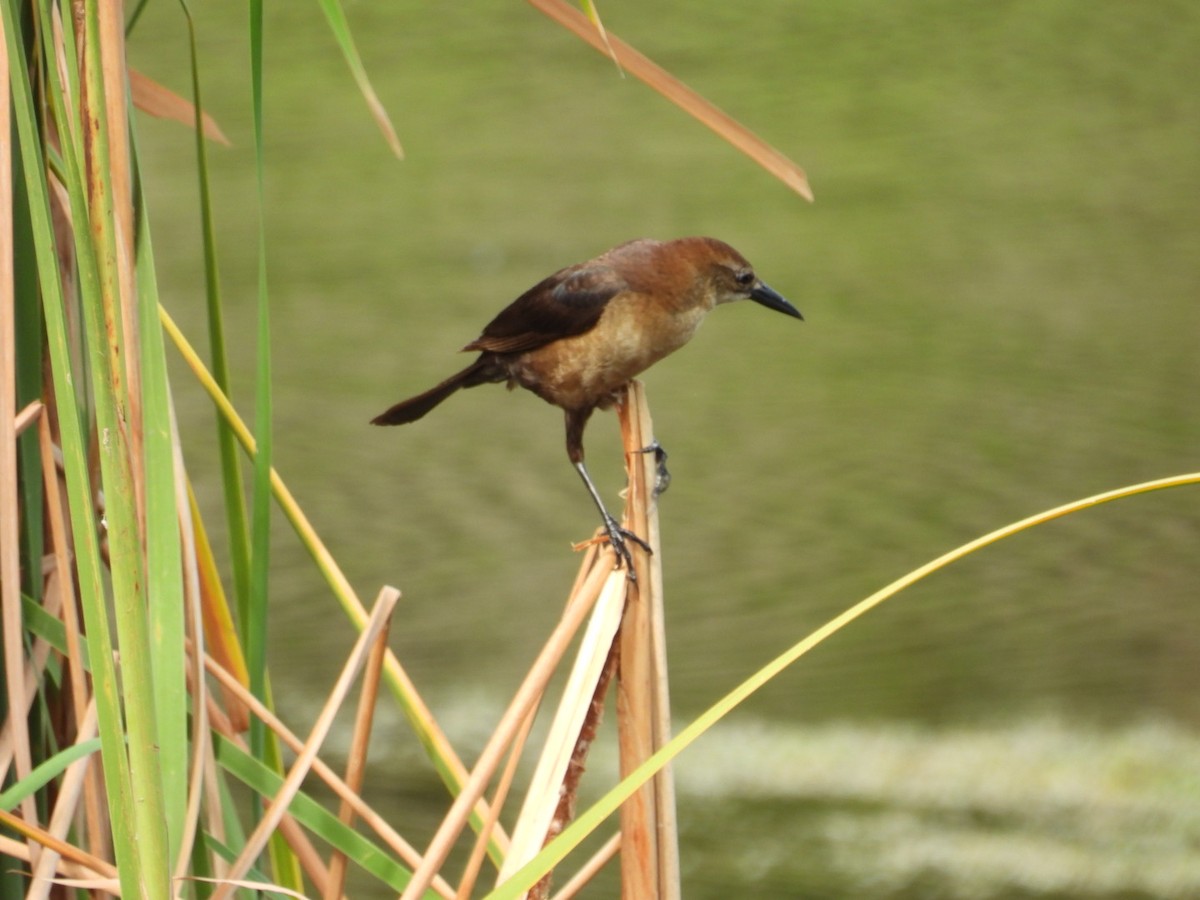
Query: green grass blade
{"points": [[29, 340], [593, 14], [164, 558], [49, 628], [231, 470], [132, 21], [265, 747], [256, 631], [341, 32], [46, 772]]}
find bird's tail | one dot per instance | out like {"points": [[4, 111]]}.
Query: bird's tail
{"points": [[481, 371]]}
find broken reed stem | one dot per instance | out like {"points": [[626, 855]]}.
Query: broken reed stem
{"points": [[66, 805], [301, 845], [650, 845], [332, 780], [201, 749], [357, 764], [10, 517], [475, 862], [546, 784], [680, 94], [526, 698], [626, 634], [39, 837], [569, 793], [277, 808]]}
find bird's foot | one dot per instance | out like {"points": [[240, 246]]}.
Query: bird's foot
{"points": [[662, 478], [617, 537]]}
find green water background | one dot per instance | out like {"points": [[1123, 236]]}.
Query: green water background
{"points": [[1000, 281]]}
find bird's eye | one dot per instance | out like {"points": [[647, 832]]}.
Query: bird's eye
{"points": [[745, 278]]}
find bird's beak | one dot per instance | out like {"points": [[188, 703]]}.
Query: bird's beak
{"points": [[772, 299]]}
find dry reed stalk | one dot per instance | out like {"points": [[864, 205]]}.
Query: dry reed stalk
{"points": [[66, 870], [545, 793], [66, 805], [649, 842], [14, 739], [222, 725], [31, 672], [591, 549], [120, 179], [298, 841], [214, 823], [677, 92], [257, 840], [193, 669], [156, 100], [626, 633], [42, 838], [475, 861], [359, 741], [588, 870], [564, 811], [10, 530], [27, 416], [526, 698]]}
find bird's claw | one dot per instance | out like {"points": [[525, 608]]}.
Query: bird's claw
{"points": [[617, 537], [662, 478]]}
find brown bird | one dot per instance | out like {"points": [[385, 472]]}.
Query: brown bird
{"points": [[577, 338]]}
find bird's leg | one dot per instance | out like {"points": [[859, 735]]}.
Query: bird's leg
{"points": [[576, 420], [662, 477], [616, 534]]}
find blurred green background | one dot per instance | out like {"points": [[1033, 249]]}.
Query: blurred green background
{"points": [[999, 278]]}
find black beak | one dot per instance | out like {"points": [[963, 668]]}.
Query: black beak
{"points": [[773, 300]]}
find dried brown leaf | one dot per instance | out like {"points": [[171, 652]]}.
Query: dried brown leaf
{"points": [[156, 100], [680, 94]]}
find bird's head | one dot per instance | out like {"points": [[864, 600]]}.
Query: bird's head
{"points": [[728, 276]]}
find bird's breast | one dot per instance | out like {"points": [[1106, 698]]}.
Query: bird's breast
{"points": [[584, 370]]}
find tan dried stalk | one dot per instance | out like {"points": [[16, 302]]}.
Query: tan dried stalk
{"points": [[636, 649], [359, 741], [678, 93]]}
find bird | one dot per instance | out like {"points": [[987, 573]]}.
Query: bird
{"points": [[579, 336]]}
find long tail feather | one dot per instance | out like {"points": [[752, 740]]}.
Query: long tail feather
{"points": [[479, 372]]}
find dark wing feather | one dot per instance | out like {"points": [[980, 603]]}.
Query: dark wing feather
{"points": [[567, 303]]}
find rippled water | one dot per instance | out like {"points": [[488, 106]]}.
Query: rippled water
{"points": [[999, 282]]}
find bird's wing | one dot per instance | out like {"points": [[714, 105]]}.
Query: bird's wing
{"points": [[567, 303]]}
